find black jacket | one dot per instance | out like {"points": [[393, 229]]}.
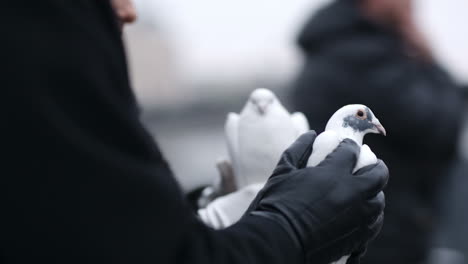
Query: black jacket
{"points": [[350, 60], [81, 179], [452, 212]]}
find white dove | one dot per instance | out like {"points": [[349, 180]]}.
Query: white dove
{"points": [[353, 122], [259, 134], [256, 138]]}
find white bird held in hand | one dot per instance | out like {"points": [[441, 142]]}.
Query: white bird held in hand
{"points": [[353, 122], [259, 134]]}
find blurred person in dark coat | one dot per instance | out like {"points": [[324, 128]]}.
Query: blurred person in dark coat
{"points": [[450, 240], [371, 52]]}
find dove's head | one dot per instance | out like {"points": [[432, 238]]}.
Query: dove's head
{"points": [[261, 100], [355, 121]]}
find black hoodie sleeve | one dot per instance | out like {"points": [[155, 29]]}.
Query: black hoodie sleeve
{"points": [[82, 181]]}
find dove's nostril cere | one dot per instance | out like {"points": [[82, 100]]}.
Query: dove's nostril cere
{"points": [[262, 108]]}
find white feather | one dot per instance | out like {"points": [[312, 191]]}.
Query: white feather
{"points": [[324, 144], [342, 260], [228, 209], [366, 158], [300, 123]]}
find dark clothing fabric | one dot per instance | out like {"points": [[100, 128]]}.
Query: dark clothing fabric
{"points": [[453, 211], [82, 181], [349, 60]]}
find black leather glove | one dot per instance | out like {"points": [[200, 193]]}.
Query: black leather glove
{"points": [[327, 211]]}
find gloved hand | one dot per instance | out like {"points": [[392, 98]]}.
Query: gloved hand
{"points": [[327, 211]]}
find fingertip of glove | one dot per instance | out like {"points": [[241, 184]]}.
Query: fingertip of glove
{"points": [[308, 136], [378, 174], [346, 153], [383, 172], [348, 141], [349, 145]]}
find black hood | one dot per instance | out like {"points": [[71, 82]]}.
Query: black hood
{"points": [[333, 22]]}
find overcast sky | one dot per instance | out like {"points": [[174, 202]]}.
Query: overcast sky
{"points": [[238, 37]]}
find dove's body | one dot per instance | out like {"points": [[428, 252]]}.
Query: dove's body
{"points": [[264, 138], [257, 139], [325, 144], [346, 124], [327, 141]]}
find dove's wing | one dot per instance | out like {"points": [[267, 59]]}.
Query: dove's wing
{"points": [[325, 143], [366, 158], [300, 123], [231, 129], [227, 210]]}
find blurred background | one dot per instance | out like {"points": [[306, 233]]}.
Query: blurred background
{"points": [[193, 62]]}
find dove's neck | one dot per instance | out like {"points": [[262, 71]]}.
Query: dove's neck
{"points": [[346, 132]]}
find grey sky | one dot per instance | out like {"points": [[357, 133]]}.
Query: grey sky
{"points": [[241, 37]]}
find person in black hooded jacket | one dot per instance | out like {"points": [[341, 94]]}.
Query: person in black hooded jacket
{"points": [[370, 52]]}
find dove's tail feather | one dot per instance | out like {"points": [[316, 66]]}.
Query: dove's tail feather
{"points": [[342, 260]]}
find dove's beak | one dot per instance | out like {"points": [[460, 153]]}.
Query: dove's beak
{"points": [[262, 108], [379, 129]]}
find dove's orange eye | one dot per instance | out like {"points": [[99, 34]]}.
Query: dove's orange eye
{"points": [[361, 114]]}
